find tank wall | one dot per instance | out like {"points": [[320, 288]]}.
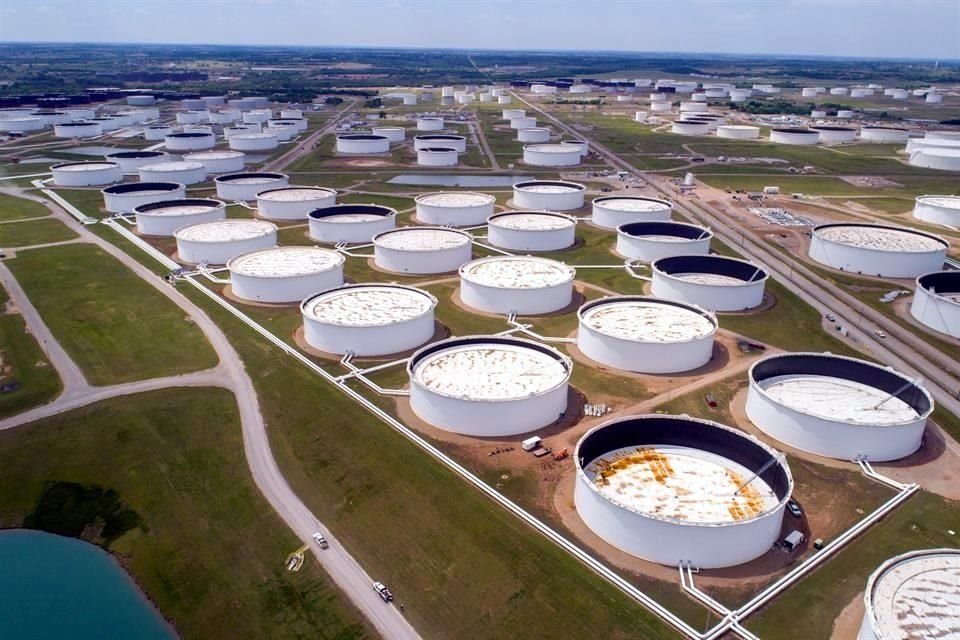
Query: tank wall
{"points": [[435, 159], [422, 262], [176, 143], [425, 124], [535, 134], [369, 341], [644, 357], [936, 313], [293, 210], [543, 159], [236, 191], [352, 232], [879, 263], [828, 438], [348, 145], [936, 215], [488, 419], [528, 240], [284, 290], [266, 143], [454, 216], [549, 201], [126, 203], [712, 298], [460, 144], [523, 301], [222, 252], [191, 176], [221, 165], [93, 178], [672, 544], [611, 218], [640, 248]]}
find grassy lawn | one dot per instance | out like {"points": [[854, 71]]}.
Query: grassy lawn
{"points": [[89, 201], [114, 325], [208, 550], [24, 363], [13, 208], [464, 568], [831, 186], [28, 232]]}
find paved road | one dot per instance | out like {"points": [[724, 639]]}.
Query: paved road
{"points": [[910, 354], [348, 575], [306, 145]]}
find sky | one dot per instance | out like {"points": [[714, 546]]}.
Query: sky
{"points": [[855, 28]]}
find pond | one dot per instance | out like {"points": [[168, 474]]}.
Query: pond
{"points": [[63, 588]]}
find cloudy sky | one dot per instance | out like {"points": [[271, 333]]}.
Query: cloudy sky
{"points": [[875, 28]]}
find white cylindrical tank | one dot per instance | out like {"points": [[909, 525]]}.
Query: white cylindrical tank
{"points": [[189, 141], [197, 128], [531, 231], [582, 146], [157, 132], [283, 131], [936, 301], [645, 334], [141, 101], [525, 122], [933, 98], [690, 128], [291, 114], [131, 161], [740, 95], [258, 116], [504, 99], [362, 143], [699, 97], [246, 186], [300, 124], [229, 132], [292, 202], [26, 124], [440, 140], [900, 94], [454, 208], [818, 113], [845, 114], [808, 92], [944, 210], [914, 595], [79, 129], [252, 141], [482, 385], [877, 250], [422, 250], [124, 198], [639, 116], [52, 118], [510, 114], [701, 512], [884, 134], [218, 161], [368, 320], [738, 131], [610, 212], [716, 283], [86, 174], [552, 195], [193, 117], [526, 285], [213, 101], [219, 242], [534, 134], [437, 157], [660, 107], [693, 107], [944, 159], [835, 135], [837, 407], [839, 91], [351, 223], [794, 135], [285, 274], [551, 155], [393, 134], [858, 92], [650, 241], [429, 123], [164, 217], [183, 172]]}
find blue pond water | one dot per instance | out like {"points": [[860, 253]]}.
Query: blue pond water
{"points": [[427, 180], [53, 587]]}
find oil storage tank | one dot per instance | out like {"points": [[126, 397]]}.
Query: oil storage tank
{"points": [[837, 407], [835, 135], [131, 161], [246, 186], [610, 212], [913, 595], [362, 143], [164, 217], [254, 141], [794, 135], [551, 155], [454, 208], [293, 202], [79, 129], [877, 250], [437, 157], [713, 282], [936, 301], [650, 241], [285, 274], [552, 195], [526, 285], [488, 386], [124, 198], [368, 320], [674, 490], [350, 223], [425, 141], [86, 174], [531, 231], [183, 172], [218, 161], [645, 334], [943, 210], [886, 135], [218, 242], [422, 250], [189, 141]]}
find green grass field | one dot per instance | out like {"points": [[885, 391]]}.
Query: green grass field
{"points": [[25, 363], [209, 550], [464, 568], [13, 208], [114, 325], [29, 232]]}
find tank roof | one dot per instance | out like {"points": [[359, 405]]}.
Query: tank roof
{"points": [[548, 186], [213, 155], [225, 230], [880, 237], [551, 148], [531, 220], [632, 203], [946, 202], [422, 239], [369, 305], [251, 178], [142, 188], [456, 199], [646, 319], [517, 272], [280, 262], [171, 166], [84, 166], [348, 212], [665, 230], [180, 207], [296, 194], [710, 269]]}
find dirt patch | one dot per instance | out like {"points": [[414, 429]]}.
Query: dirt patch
{"points": [[358, 163], [871, 182], [847, 624]]}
